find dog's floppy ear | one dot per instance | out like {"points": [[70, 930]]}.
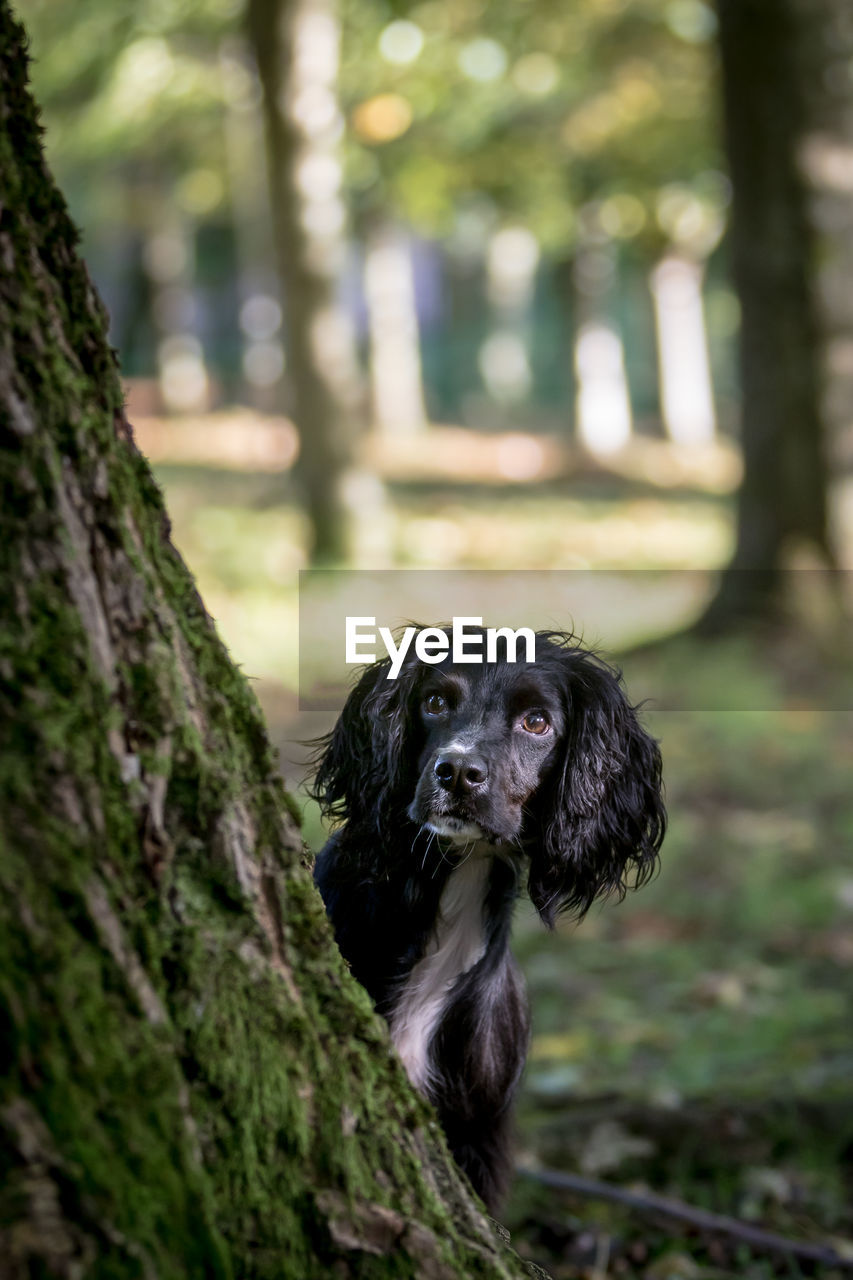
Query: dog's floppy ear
{"points": [[362, 763], [602, 819]]}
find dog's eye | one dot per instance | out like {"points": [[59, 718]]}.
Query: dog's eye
{"points": [[434, 704], [536, 722]]}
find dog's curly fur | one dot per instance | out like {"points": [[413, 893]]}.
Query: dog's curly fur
{"points": [[453, 783]]}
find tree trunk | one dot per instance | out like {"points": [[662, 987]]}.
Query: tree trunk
{"points": [[295, 43], [782, 504], [827, 56], [191, 1083], [395, 346]]}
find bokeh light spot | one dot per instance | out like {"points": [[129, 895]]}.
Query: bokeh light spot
{"points": [[622, 216], [483, 59], [260, 317], [382, 118], [200, 191], [263, 363], [691, 20], [536, 74], [401, 42]]}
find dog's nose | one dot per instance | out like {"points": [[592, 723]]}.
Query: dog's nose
{"points": [[460, 773]]}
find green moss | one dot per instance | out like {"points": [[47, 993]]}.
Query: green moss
{"points": [[108, 1089]]}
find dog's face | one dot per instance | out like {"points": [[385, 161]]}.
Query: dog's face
{"points": [[548, 755], [490, 734]]}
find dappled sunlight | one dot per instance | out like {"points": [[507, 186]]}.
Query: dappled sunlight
{"points": [[395, 360], [555, 532], [238, 441], [686, 391], [450, 499], [244, 544], [603, 402]]}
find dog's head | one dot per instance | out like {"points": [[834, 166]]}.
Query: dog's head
{"points": [[545, 756]]}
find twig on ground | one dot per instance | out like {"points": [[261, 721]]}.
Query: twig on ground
{"points": [[701, 1219]]}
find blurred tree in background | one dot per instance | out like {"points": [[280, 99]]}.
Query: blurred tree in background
{"points": [[295, 44], [135, 96], [782, 506]]}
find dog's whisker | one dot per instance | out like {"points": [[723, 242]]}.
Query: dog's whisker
{"points": [[442, 858], [467, 851], [421, 829]]}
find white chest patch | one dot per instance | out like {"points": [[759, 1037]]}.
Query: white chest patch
{"points": [[457, 943]]}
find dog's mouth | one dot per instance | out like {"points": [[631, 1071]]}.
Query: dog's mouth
{"points": [[460, 825], [454, 828]]}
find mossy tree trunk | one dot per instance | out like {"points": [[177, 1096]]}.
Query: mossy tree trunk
{"points": [[190, 1082], [782, 505]]}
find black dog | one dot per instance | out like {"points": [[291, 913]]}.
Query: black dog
{"points": [[453, 781]]}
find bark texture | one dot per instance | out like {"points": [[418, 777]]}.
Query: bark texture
{"points": [[190, 1082], [782, 504]]}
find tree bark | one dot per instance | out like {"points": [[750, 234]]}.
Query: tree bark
{"points": [[782, 504], [191, 1083], [295, 43]]}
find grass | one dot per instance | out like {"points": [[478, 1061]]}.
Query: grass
{"points": [[695, 1038]]}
